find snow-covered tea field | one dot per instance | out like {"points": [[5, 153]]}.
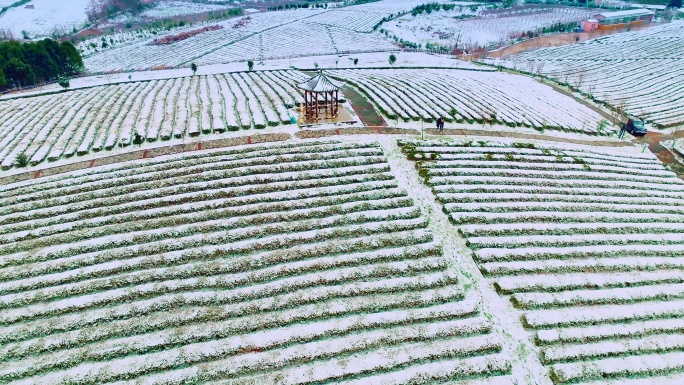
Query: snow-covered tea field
{"points": [[289, 263], [639, 70], [51, 127], [451, 28], [297, 40], [260, 36], [470, 96], [587, 242], [140, 54], [365, 17], [171, 8], [46, 17]]}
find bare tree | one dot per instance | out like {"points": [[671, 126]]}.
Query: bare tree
{"points": [[100, 9], [591, 89], [674, 132], [581, 76], [618, 111], [669, 15], [457, 37], [539, 70], [6, 34]]}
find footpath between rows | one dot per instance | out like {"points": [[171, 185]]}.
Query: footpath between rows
{"points": [[652, 140], [144, 154]]}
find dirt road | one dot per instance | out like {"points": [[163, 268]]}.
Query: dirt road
{"points": [[555, 41]]}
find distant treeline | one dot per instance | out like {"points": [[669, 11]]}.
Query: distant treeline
{"points": [[296, 6], [218, 15], [27, 64], [102, 9], [429, 8]]}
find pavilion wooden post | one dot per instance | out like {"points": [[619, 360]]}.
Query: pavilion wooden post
{"points": [[314, 105], [337, 102]]}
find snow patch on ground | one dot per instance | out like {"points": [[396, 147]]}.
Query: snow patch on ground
{"points": [[46, 16]]}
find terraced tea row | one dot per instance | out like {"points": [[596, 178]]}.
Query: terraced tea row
{"points": [[636, 71], [587, 242], [291, 263], [74, 123], [472, 97]]}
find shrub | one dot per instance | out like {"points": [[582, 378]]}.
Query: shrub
{"points": [[21, 160], [523, 145], [63, 81]]}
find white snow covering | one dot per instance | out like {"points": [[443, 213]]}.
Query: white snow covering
{"points": [[110, 116], [164, 9], [641, 77], [263, 264], [45, 17], [470, 96], [444, 28], [594, 267]]}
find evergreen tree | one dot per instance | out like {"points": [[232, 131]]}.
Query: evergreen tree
{"points": [[25, 64]]}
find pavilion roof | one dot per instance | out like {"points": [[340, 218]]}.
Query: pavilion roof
{"points": [[320, 83]]}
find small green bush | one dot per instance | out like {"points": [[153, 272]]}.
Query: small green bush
{"points": [[523, 145], [21, 160]]}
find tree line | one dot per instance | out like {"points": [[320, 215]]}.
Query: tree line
{"points": [[102, 9], [27, 64]]}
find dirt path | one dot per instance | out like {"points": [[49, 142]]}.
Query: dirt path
{"points": [[654, 142], [143, 154], [363, 108], [557, 40], [526, 366]]}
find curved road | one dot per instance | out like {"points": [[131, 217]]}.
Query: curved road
{"points": [[654, 142]]}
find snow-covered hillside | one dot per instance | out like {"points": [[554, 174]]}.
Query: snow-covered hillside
{"points": [[281, 264], [40, 18], [587, 243]]}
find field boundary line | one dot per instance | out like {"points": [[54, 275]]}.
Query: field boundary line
{"points": [[375, 130], [145, 154]]}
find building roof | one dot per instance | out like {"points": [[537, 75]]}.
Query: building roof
{"points": [[593, 21], [320, 83], [618, 14]]}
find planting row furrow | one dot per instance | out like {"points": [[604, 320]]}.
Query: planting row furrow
{"points": [[575, 281], [177, 216], [578, 265], [589, 250], [74, 123]]}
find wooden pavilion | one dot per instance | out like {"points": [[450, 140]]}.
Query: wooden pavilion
{"points": [[321, 96]]}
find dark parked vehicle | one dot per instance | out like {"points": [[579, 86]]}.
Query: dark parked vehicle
{"points": [[635, 127]]}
